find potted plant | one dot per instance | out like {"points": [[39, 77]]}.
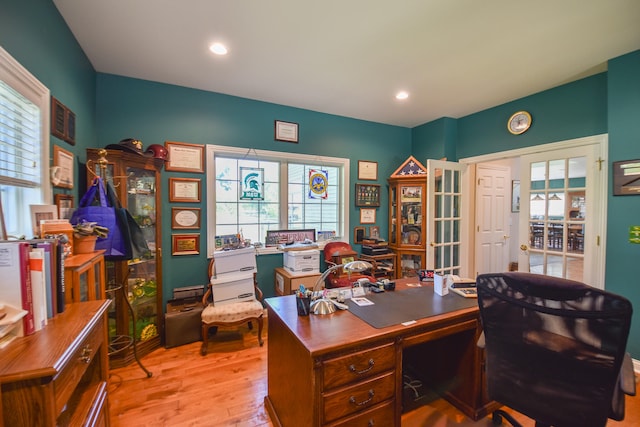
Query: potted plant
{"points": [[85, 235]]}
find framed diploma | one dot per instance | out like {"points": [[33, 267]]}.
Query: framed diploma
{"points": [[184, 190], [184, 157], [286, 131], [367, 216], [367, 170], [185, 244], [62, 171], [185, 218]]}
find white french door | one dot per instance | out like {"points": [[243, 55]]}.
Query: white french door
{"points": [[561, 226]]}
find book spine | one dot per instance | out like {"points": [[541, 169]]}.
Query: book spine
{"points": [[26, 290], [60, 285]]}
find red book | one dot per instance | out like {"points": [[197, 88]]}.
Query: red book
{"points": [[15, 281]]}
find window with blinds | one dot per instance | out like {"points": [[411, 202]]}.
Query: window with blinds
{"points": [[24, 145]]}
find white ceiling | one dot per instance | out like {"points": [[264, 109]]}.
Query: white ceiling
{"points": [[350, 57]]}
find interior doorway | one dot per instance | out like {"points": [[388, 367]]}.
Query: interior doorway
{"points": [[572, 241]]}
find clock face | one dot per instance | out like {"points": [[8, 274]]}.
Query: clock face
{"points": [[519, 122]]}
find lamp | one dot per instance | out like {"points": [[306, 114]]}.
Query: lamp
{"points": [[326, 305]]}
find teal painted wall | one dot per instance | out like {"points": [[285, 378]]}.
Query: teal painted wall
{"points": [[109, 108], [35, 34], [623, 258], [154, 113]]}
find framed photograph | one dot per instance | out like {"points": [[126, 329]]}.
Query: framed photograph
{"points": [[184, 157], [367, 170], [62, 171], [367, 216], [374, 232], [58, 118], [286, 131], [281, 237], [367, 195], [40, 213], [515, 196], [185, 244], [185, 218], [184, 190], [64, 202], [358, 234], [626, 178]]}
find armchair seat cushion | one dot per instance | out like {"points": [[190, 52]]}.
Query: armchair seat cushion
{"points": [[232, 313]]}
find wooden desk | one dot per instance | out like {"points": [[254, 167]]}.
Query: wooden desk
{"points": [[338, 370], [58, 376]]}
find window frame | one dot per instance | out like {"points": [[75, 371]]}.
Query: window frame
{"points": [[284, 158], [22, 81]]}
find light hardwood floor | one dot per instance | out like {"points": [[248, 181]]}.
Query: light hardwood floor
{"points": [[227, 388]]}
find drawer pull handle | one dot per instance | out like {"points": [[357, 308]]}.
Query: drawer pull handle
{"points": [[371, 423], [352, 399], [352, 368], [85, 355]]}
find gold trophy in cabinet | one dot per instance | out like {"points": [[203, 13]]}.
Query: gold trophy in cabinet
{"points": [[136, 179]]}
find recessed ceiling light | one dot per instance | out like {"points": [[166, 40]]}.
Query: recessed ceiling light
{"points": [[218, 49], [402, 95]]}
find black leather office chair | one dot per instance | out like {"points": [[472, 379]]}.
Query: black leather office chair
{"points": [[555, 349]]}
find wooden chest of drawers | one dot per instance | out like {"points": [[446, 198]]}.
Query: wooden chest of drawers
{"points": [[58, 376]]}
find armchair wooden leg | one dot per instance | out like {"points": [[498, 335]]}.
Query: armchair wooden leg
{"points": [[260, 323], [205, 339]]}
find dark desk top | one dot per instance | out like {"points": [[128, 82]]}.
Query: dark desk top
{"points": [[326, 333]]}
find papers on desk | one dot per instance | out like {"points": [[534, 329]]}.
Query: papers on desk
{"points": [[362, 301]]}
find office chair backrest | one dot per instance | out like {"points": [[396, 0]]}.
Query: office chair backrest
{"points": [[554, 347]]}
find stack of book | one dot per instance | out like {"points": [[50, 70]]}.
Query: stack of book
{"points": [[371, 246]]}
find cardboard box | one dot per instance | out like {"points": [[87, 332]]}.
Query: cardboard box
{"points": [[233, 288], [235, 261], [287, 283], [302, 262]]}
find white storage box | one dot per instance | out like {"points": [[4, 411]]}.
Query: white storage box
{"points": [[235, 261], [302, 262], [233, 288]]}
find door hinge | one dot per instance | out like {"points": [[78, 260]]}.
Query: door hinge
{"points": [[597, 240], [599, 161]]}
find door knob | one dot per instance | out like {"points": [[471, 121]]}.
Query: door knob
{"points": [[523, 247]]}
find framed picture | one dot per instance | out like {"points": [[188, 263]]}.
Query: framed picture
{"points": [[515, 196], [367, 170], [367, 195], [40, 213], [62, 171], [185, 218], [374, 232], [358, 234], [70, 127], [626, 178], [184, 190], [185, 244], [367, 216], [184, 157], [286, 131], [64, 202], [277, 237], [58, 118]]}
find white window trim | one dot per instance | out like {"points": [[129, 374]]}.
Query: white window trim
{"points": [[220, 150], [20, 79]]}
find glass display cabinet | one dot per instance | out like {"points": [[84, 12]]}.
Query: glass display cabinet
{"points": [[136, 180], [407, 217]]}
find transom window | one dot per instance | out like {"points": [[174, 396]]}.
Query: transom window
{"points": [[252, 192]]}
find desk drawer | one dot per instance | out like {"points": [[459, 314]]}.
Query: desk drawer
{"points": [[81, 357], [358, 397], [383, 415], [358, 366]]}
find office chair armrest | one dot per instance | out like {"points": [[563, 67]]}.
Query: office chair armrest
{"points": [[481, 343], [627, 376]]}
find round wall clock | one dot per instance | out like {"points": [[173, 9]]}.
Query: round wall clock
{"points": [[519, 122]]}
